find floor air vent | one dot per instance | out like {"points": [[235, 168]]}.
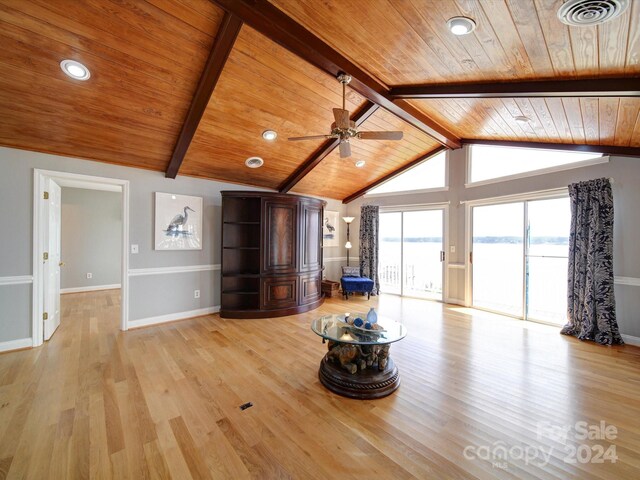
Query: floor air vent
{"points": [[586, 13]]}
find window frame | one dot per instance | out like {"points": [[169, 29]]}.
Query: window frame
{"points": [[532, 173]]}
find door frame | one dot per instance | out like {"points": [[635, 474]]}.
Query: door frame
{"points": [[445, 241], [40, 223], [468, 226]]}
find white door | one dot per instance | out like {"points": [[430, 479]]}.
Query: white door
{"points": [[52, 264]]}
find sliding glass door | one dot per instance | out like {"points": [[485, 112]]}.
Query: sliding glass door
{"points": [[411, 253], [519, 258]]}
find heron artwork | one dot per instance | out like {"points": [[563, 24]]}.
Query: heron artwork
{"points": [[176, 226]]}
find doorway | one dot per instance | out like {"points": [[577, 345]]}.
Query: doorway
{"points": [[519, 258], [47, 245], [411, 254]]}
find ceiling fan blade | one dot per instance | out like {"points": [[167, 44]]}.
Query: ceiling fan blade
{"points": [[345, 149], [342, 117], [312, 137], [380, 135]]}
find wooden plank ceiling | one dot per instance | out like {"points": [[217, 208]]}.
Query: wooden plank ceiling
{"points": [[146, 58], [131, 109]]}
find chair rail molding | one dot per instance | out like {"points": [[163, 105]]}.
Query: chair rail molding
{"points": [[138, 272], [16, 280], [633, 281]]}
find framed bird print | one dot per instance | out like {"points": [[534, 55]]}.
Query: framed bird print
{"points": [[330, 233], [178, 222]]}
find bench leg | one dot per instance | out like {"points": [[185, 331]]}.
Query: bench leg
{"points": [[368, 295]]}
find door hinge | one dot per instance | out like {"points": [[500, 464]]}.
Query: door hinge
{"points": [[470, 257], [46, 195], [45, 256], [45, 316], [441, 255]]}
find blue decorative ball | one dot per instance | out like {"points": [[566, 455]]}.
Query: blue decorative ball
{"points": [[367, 326], [358, 322]]}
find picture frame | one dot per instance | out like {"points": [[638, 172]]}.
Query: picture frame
{"points": [[331, 229], [178, 222]]}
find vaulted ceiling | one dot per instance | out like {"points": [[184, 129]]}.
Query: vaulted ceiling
{"points": [[188, 87]]}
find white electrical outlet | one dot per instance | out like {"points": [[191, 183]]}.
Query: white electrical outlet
{"points": [[89, 275], [196, 294], [134, 248], [452, 248]]}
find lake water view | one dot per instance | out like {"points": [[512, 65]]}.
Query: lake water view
{"points": [[498, 280]]}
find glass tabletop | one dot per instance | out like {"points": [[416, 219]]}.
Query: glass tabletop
{"points": [[334, 327]]}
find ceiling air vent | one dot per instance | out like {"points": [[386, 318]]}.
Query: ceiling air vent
{"points": [[254, 162], [586, 13]]}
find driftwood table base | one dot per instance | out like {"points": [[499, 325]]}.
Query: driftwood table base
{"points": [[369, 383]]}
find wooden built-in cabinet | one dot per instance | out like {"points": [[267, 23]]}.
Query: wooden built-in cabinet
{"points": [[271, 254]]}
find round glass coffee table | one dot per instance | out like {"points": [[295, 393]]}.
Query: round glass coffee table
{"points": [[357, 364]]}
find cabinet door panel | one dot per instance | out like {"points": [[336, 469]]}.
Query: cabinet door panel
{"points": [[310, 243], [280, 231], [279, 292], [310, 288]]}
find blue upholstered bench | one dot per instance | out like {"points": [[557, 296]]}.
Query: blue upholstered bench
{"points": [[352, 282]]}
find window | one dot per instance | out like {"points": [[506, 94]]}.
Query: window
{"points": [[489, 162], [426, 175]]}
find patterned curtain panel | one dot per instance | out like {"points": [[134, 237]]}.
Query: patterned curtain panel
{"points": [[591, 302], [369, 229]]}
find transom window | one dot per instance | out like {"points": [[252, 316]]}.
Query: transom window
{"points": [[427, 175], [487, 162]]}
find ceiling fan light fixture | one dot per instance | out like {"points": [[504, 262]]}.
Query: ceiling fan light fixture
{"points": [[461, 25], [360, 163], [254, 162], [75, 70], [269, 135]]}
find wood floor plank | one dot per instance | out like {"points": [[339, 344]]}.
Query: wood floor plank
{"points": [[163, 402]]}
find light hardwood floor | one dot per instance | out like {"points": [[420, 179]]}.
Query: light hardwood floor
{"points": [[163, 401]]}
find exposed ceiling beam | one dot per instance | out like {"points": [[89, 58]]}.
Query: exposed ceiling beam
{"points": [[395, 173], [599, 87], [225, 39], [282, 29], [325, 149], [608, 150]]}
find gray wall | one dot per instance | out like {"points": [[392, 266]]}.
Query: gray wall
{"points": [[150, 295], [91, 236], [626, 191]]}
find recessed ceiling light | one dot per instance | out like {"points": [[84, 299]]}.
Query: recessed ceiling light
{"points": [[521, 119], [75, 70], [269, 135], [461, 25], [360, 163], [254, 162]]}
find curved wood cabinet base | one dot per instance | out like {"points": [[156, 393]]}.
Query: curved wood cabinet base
{"points": [[365, 385], [271, 254], [270, 313]]}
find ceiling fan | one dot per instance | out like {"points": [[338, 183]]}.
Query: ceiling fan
{"points": [[345, 129]]}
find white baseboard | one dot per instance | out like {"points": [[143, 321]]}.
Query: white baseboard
{"points": [[631, 340], [16, 344], [93, 288], [172, 317]]}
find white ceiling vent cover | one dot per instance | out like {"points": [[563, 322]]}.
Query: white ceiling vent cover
{"points": [[254, 162], [586, 13]]}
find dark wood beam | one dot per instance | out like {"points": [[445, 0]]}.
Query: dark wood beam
{"points": [[395, 173], [282, 29], [325, 149], [607, 150], [225, 39], [599, 87]]}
